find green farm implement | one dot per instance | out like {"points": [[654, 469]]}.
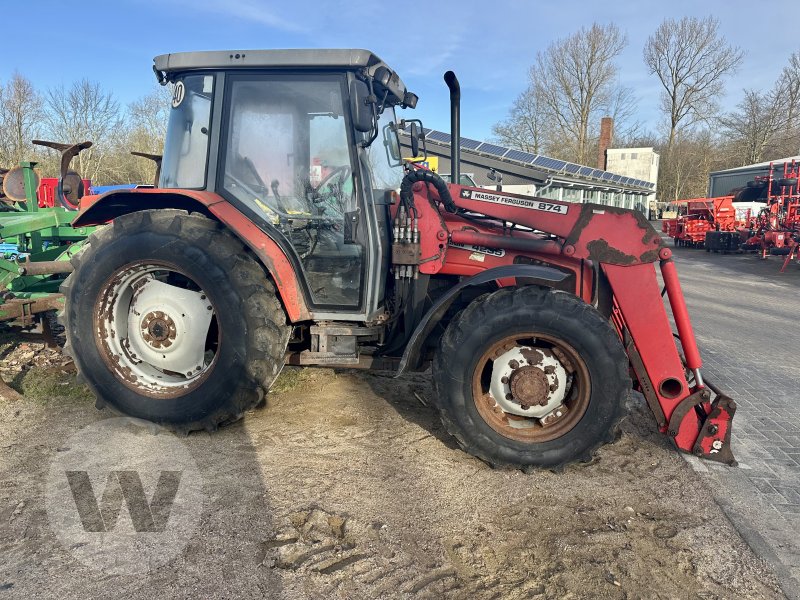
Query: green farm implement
{"points": [[36, 243]]}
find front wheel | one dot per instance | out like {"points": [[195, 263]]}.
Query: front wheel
{"points": [[169, 319], [531, 377]]}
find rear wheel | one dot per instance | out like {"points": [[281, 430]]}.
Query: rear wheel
{"points": [[169, 319], [531, 377]]}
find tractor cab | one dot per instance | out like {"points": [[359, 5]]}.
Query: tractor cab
{"points": [[302, 142]]}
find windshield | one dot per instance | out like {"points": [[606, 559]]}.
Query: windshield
{"points": [[383, 155], [186, 145]]}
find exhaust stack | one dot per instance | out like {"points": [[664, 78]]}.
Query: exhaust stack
{"points": [[455, 126]]}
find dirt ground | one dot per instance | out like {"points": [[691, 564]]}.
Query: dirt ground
{"points": [[346, 486]]}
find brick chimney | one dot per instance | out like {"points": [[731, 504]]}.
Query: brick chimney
{"points": [[606, 135]]}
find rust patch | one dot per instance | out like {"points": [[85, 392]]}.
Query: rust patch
{"points": [[601, 251], [534, 357], [563, 359]]}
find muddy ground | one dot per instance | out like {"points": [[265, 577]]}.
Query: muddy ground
{"points": [[346, 486]]}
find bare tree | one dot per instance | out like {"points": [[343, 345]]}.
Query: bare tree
{"points": [[571, 85], [790, 80], [694, 155], [84, 112], [20, 119], [756, 124], [525, 127], [690, 58], [144, 130], [149, 114], [576, 78]]}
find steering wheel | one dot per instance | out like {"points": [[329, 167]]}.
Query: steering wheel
{"points": [[344, 170], [330, 199]]}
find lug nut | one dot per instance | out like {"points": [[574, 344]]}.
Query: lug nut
{"points": [[514, 364], [504, 379]]}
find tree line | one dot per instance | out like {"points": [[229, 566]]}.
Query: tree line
{"points": [[576, 81], [78, 112]]}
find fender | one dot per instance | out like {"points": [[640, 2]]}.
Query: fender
{"points": [[411, 356], [96, 210]]}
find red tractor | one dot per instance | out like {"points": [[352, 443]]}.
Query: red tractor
{"points": [[534, 314]]}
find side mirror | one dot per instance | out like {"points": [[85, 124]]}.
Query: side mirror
{"points": [[414, 140], [360, 108]]}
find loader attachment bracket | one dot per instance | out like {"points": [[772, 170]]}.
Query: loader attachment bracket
{"points": [[714, 441], [714, 438]]}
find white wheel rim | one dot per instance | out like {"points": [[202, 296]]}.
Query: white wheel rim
{"points": [[154, 334]]}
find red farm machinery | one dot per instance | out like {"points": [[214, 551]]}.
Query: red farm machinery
{"points": [[776, 227], [323, 248], [697, 218], [763, 216]]}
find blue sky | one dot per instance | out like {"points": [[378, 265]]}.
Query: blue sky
{"points": [[490, 45]]}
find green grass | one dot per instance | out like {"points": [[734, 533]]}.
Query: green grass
{"points": [[290, 378], [45, 384]]}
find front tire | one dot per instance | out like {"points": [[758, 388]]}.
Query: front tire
{"points": [[531, 376], [169, 319]]}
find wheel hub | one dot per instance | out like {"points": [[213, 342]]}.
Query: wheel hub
{"points": [[529, 387], [529, 382], [158, 329]]}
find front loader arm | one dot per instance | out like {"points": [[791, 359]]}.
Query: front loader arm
{"points": [[625, 247]]}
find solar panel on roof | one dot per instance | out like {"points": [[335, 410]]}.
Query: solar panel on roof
{"points": [[470, 144], [492, 149], [572, 168], [585, 171], [597, 173], [607, 176], [541, 161], [521, 156], [439, 136], [546, 162]]}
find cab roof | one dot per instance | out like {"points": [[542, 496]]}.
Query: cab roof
{"points": [[287, 59], [270, 59]]}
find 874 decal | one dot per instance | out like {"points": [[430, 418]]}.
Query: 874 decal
{"points": [[532, 203]]}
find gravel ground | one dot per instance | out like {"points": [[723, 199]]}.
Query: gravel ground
{"points": [[346, 486]]}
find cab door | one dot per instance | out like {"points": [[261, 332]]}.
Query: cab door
{"points": [[287, 159]]}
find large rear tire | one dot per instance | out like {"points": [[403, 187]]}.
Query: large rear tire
{"points": [[169, 319], [531, 376]]}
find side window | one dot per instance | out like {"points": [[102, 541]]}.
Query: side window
{"points": [[288, 158]]}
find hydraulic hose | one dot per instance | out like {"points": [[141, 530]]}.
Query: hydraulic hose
{"points": [[415, 175]]}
